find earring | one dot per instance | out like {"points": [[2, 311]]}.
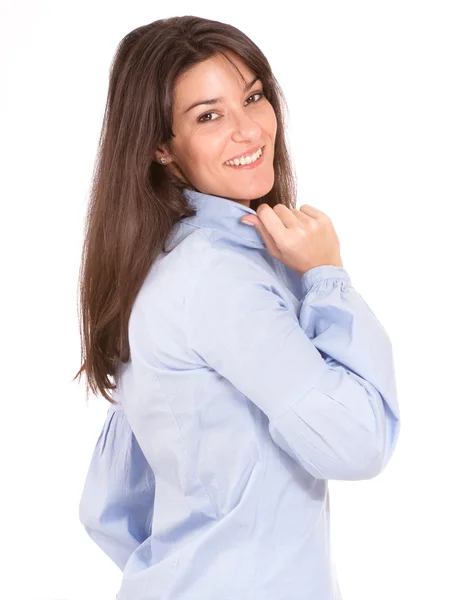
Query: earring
{"points": [[163, 160]]}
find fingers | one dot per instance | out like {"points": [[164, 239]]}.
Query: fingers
{"points": [[302, 216], [311, 211], [268, 239], [286, 215], [277, 219], [274, 224]]}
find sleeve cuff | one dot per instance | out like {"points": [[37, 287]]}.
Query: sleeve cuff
{"points": [[313, 276]]}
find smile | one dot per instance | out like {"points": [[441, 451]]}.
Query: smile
{"points": [[246, 162]]}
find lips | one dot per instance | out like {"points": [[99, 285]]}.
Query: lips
{"points": [[247, 152]]}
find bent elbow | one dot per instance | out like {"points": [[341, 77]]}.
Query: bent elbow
{"points": [[376, 459], [366, 462]]}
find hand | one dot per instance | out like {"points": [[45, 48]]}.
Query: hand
{"points": [[300, 239]]}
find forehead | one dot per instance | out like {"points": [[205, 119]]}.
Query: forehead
{"points": [[213, 75]]}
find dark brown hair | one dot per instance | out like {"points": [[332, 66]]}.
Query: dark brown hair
{"points": [[134, 201]]}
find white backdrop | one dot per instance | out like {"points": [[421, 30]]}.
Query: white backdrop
{"points": [[375, 97]]}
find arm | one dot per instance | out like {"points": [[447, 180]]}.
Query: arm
{"points": [[324, 378]]}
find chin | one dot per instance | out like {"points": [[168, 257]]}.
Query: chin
{"points": [[260, 189], [256, 190]]}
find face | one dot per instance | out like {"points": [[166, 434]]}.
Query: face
{"points": [[230, 120]]}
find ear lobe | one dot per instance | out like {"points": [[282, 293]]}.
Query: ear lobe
{"points": [[161, 152]]}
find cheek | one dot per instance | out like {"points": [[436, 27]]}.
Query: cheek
{"points": [[268, 121], [202, 154], [193, 153], [210, 148], [272, 121]]}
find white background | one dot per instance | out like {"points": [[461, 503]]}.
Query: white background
{"points": [[375, 98]]}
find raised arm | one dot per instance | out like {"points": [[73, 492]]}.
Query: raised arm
{"points": [[324, 377]]}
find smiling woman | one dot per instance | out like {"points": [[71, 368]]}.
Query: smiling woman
{"points": [[239, 123], [247, 371], [158, 141]]}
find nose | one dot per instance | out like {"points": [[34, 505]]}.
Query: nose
{"points": [[245, 128]]}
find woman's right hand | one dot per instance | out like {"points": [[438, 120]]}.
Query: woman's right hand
{"points": [[300, 239]]}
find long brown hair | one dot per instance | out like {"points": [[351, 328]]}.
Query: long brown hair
{"points": [[134, 201]]}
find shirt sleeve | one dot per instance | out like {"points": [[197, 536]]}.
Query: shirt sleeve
{"points": [[117, 500], [323, 375]]}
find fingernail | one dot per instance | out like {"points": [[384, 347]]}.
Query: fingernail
{"points": [[248, 223]]}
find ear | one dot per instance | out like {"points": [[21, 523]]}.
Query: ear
{"points": [[162, 152]]}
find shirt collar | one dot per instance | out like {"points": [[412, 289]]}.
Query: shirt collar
{"points": [[224, 215]]}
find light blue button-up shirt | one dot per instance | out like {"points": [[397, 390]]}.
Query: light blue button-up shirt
{"points": [[248, 388]]}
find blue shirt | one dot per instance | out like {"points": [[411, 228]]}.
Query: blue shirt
{"points": [[248, 388]]}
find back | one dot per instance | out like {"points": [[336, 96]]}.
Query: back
{"points": [[247, 389]]}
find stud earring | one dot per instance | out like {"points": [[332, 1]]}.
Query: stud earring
{"points": [[163, 160]]}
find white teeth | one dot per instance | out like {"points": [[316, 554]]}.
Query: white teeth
{"points": [[245, 160]]}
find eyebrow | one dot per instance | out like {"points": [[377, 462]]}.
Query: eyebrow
{"points": [[220, 99]]}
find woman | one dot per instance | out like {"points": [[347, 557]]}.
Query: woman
{"points": [[247, 371]]}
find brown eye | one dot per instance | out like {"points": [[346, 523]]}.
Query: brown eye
{"points": [[260, 93], [200, 119]]}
